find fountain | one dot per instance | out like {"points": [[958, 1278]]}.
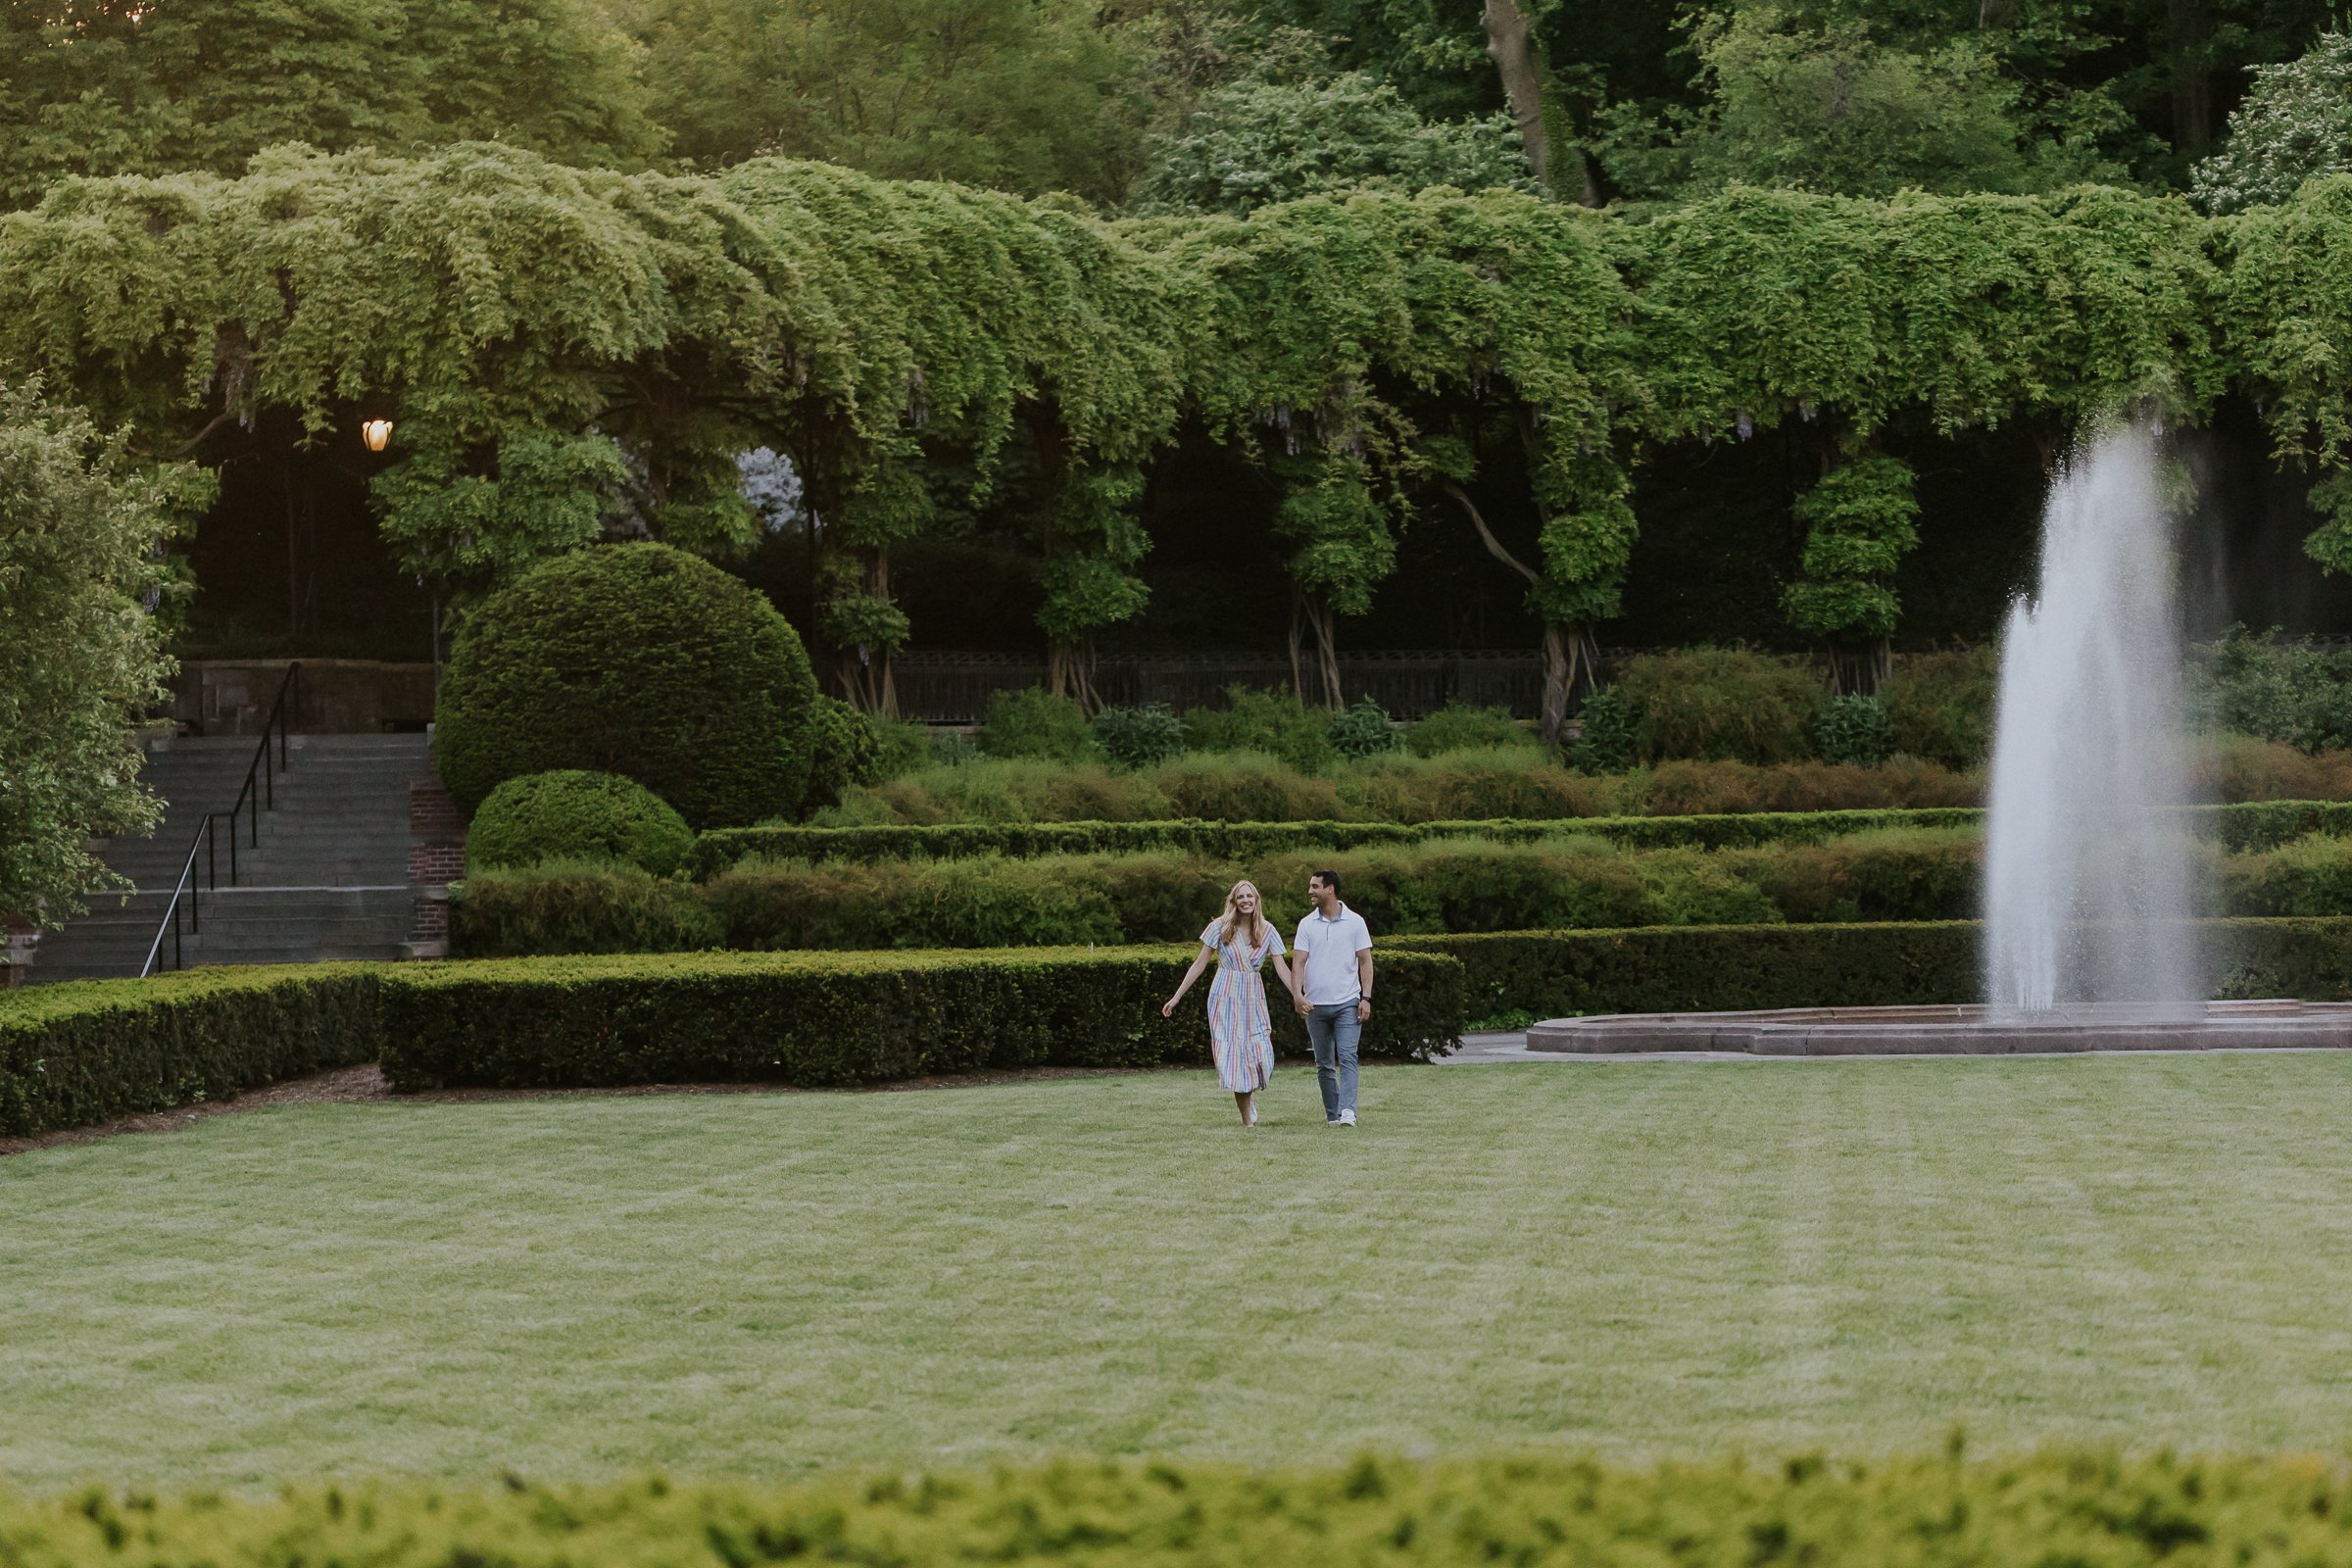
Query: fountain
{"points": [[2090, 940]]}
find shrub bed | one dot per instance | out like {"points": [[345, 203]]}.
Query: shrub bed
{"points": [[1559, 974], [836, 1018], [2057, 1508], [1500, 781], [2237, 827], [73, 1055]]}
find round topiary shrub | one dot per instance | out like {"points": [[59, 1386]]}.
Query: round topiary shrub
{"points": [[637, 660], [573, 814]]}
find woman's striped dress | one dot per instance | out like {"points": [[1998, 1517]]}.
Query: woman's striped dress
{"points": [[1241, 1036]]}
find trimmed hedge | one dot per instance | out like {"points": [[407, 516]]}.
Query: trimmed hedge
{"points": [[572, 813], [73, 1055], [829, 1019], [1240, 841], [2061, 1507], [2240, 826], [1561, 974], [638, 659]]}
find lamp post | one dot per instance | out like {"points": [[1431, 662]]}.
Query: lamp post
{"points": [[377, 434]]}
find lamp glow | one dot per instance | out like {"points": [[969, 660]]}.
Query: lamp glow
{"points": [[376, 433]]}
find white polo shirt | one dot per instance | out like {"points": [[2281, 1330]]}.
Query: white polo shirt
{"points": [[1326, 950]]}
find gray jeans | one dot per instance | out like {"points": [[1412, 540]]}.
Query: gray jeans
{"points": [[1334, 1031]]}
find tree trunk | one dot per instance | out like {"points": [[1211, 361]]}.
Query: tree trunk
{"points": [[1308, 612], [865, 675], [1859, 670], [1511, 45], [1070, 672], [1571, 656]]}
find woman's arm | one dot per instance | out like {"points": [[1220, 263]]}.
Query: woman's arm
{"points": [[1201, 963], [1282, 973]]}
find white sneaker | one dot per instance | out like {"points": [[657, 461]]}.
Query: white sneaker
{"points": [[1346, 1118]]}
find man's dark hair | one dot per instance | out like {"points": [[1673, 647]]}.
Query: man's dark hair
{"points": [[1330, 879]]}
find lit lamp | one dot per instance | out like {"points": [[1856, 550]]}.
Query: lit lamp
{"points": [[376, 432]]}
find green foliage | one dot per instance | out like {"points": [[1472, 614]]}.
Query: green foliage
{"points": [[1934, 1511], [1717, 704], [1555, 974], [1023, 96], [829, 1019], [1259, 140], [82, 525], [1608, 732], [122, 89], [576, 815], [1860, 521], [1508, 781], [2295, 123], [1364, 729], [576, 905], [1855, 730], [848, 749], [636, 660], [1032, 723], [1940, 706], [2294, 692], [1275, 723], [73, 1055], [1831, 108], [2238, 826], [1096, 541], [1463, 727], [1139, 737], [1487, 878]]}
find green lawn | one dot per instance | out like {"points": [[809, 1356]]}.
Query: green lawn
{"points": [[1632, 1260]]}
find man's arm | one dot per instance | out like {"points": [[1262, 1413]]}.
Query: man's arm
{"points": [[1363, 983]]}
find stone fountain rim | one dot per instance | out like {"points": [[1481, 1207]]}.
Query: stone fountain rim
{"points": [[1957, 1030]]}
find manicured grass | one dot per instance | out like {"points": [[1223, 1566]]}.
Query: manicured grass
{"points": [[1632, 1260]]}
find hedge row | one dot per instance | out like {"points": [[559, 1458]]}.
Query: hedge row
{"points": [[1558, 974], [73, 1055], [2058, 1507], [2243, 825], [1562, 883], [838, 1018]]}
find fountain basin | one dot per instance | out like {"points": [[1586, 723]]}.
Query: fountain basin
{"points": [[1959, 1030]]}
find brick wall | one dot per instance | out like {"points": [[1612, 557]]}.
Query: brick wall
{"points": [[436, 858]]}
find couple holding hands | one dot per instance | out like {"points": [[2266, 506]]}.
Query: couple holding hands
{"points": [[1330, 986]]}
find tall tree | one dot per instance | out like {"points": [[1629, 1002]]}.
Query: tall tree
{"points": [[81, 527], [129, 86], [1023, 95]]}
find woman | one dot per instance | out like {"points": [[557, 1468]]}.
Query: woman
{"points": [[1241, 1036]]}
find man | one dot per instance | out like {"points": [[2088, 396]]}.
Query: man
{"points": [[1334, 955]]}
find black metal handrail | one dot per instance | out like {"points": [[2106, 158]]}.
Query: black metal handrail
{"points": [[263, 771]]}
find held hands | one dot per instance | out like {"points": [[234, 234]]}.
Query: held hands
{"points": [[1299, 1004]]}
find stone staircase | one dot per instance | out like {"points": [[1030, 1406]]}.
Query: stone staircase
{"points": [[327, 879]]}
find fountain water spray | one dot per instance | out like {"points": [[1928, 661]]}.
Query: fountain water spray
{"points": [[2086, 881]]}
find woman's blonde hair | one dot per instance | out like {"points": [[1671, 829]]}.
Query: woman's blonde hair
{"points": [[1232, 924]]}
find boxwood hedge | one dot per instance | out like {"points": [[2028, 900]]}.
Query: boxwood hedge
{"points": [[1558, 974], [73, 1055], [823, 1019], [2242, 825], [2059, 1507]]}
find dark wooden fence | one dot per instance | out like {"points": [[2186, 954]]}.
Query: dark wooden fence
{"points": [[953, 688]]}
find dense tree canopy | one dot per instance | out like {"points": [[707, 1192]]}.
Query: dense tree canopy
{"points": [[129, 86]]}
